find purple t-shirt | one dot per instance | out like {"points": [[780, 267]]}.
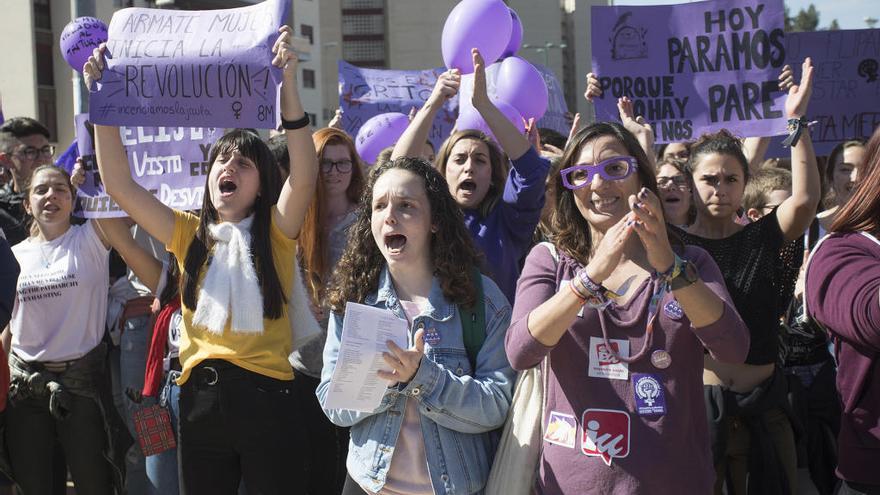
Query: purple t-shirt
{"points": [[842, 287], [613, 428]]}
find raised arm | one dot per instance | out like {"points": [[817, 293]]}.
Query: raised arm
{"points": [[513, 142], [140, 204], [796, 212], [297, 192], [413, 139], [116, 233]]}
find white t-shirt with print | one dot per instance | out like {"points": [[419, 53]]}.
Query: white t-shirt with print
{"points": [[61, 302]]}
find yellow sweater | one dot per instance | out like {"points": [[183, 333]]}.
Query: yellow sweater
{"points": [[264, 353]]}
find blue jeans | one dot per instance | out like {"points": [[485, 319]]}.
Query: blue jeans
{"points": [[132, 364], [162, 468]]}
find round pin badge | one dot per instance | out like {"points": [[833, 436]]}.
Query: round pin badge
{"points": [[432, 336], [661, 359]]}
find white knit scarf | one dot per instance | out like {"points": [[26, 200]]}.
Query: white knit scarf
{"points": [[231, 284]]}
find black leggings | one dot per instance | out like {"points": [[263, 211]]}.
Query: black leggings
{"points": [[238, 425], [32, 435], [351, 487]]}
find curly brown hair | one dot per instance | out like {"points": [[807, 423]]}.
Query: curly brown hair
{"points": [[452, 249], [571, 232]]}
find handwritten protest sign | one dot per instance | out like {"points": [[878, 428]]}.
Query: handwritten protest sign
{"points": [[191, 68], [554, 118], [693, 68], [170, 162], [365, 93], [846, 85]]}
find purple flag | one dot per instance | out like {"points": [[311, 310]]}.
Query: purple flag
{"points": [[693, 68], [846, 85], [191, 68], [170, 162], [365, 93]]}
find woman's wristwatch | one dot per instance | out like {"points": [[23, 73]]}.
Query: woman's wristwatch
{"points": [[684, 274]]}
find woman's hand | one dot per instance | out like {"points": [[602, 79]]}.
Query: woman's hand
{"points": [[446, 87], [594, 89], [285, 58], [480, 98], [336, 121], [404, 362], [94, 66], [607, 254], [78, 176], [651, 229], [799, 95], [786, 78]]}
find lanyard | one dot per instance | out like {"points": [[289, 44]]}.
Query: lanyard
{"points": [[659, 292]]}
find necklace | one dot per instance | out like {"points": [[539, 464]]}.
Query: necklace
{"points": [[47, 260]]}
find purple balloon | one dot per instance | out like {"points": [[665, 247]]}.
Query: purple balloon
{"points": [[516, 33], [470, 118], [378, 133], [79, 38], [522, 85], [481, 24]]}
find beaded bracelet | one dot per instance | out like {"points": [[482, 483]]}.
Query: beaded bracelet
{"points": [[599, 297]]}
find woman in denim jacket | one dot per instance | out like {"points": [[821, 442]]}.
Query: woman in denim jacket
{"points": [[408, 252]]}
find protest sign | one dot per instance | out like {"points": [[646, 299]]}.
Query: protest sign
{"points": [[365, 93], [191, 68], [556, 116], [170, 162], [693, 68], [846, 85]]}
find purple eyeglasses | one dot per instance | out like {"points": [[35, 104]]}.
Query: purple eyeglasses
{"points": [[616, 168]]}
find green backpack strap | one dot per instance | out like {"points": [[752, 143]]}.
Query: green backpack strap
{"points": [[473, 321]]}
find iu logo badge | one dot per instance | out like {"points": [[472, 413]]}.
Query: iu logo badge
{"points": [[604, 362], [606, 434]]}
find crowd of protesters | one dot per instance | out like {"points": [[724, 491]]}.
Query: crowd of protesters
{"points": [[706, 321]]}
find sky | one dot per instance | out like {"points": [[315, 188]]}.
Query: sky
{"points": [[850, 14]]}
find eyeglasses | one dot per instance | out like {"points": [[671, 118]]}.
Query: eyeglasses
{"points": [[343, 166], [679, 181], [32, 153], [617, 168]]}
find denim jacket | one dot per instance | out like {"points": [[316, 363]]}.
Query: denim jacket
{"points": [[459, 408]]}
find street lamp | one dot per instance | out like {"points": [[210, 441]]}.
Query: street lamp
{"points": [[545, 49]]}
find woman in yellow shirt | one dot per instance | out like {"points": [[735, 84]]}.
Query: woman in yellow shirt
{"points": [[237, 418]]}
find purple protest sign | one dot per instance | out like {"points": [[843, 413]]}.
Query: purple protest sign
{"points": [[365, 93], [846, 85], [170, 162], [693, 68], [193, 68]]}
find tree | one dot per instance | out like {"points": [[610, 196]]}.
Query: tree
{"points": [[806, 20]]}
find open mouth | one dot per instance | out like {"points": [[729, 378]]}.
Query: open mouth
{"points": [[603, 203], [394, 243], [468, 185], [671, 200], [49, 208], [227, 186]]}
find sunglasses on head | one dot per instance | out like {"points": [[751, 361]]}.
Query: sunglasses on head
{"points": [[581, 175]]}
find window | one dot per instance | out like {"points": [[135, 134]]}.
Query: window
{"points": [[363, 24], [308, 78], [363, 4], [312, 118], [307, 32], [358, 51]]}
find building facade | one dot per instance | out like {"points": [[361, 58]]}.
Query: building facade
{"points": [[399, 34]]}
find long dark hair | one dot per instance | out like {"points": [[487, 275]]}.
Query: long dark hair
{"points": [[571, 231], [452, 249], [862, 212], [249, 145], [722, 143]]}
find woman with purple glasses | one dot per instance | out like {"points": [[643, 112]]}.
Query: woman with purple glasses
{"points": [[619, 314]]}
